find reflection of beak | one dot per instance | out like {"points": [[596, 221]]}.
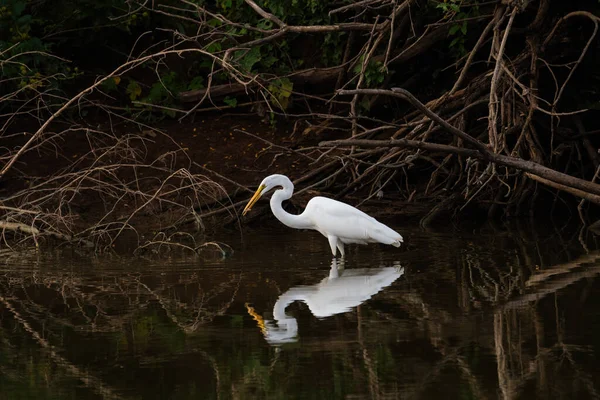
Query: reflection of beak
{"points": [[259, 320], [254, 199]]}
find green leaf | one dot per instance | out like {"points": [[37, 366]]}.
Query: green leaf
{"points": [[286, 87], [157, 93], [230, 101], [24, 20], [264, 24], [206, 64], [18, 8], [454, 29], [196, 83], [226, 4], [134, 90], [110, 84], [281, 91], [463, 28], [365, 104], [269, 60], [250, 58], [213, 23], [214, 47], [358, 67]]}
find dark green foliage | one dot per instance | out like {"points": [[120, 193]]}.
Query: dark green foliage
{"points": [[458, 13], [43, 45]]}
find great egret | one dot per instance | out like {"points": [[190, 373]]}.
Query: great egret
{"points": [[339, 222], [338, 293]]}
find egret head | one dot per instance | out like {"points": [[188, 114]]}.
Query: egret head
{"points": [[266, 185]]}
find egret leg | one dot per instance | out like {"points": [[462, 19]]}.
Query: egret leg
{"points": [[333, 272], [341, 266], [333, 240], [340, 245]]}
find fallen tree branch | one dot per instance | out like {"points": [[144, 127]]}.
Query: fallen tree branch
{"points": [[19, 227], [483, 151], [123, 68], [575, 192], [413, 144], [311, 76], [557, 180]]}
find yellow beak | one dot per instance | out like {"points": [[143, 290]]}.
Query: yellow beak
{"points": [[254, 199]]}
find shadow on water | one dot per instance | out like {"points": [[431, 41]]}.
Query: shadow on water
{"points": [[485, 314]]}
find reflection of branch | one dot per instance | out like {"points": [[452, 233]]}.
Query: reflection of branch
{"points": [[431, 319], [512, 378], [539, 365], [571, 275], [77, 291], [84, 376], [198, 320], [369, 364], [465, 368], [545, 274], [215, 367], [451, 356], [504, 380], [583, 376]]}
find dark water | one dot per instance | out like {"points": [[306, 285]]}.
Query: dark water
{"points": [[484, 314]]}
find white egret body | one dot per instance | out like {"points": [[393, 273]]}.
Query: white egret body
{"points": [[339, 222]]}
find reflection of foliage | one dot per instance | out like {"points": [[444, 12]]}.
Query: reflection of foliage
{"points": [[128, 314], [43, 380]]}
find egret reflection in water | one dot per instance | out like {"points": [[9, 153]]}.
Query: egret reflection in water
{"points": [[341, 291]]}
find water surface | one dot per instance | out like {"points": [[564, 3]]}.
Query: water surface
{"points": [[455, 314]]}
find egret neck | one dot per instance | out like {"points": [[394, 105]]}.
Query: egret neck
{"points": [[293, 221]]}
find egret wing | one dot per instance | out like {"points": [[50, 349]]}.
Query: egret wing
{"points": [[332, 217]]}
